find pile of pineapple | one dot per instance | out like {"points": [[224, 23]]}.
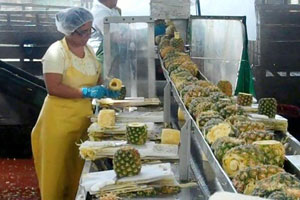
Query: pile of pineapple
{"points": [[127, 162], [246, 149]]}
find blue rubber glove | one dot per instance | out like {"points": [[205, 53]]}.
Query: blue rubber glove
{"points": [[98, 92]]}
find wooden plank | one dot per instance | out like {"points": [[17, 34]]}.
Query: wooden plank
{"points": [[280, 32], [281, 88], [276, 17], [21, 52], [42, 37], [34, 68], [287, 50]]}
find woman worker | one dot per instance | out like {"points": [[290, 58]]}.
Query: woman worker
{"points": [[71, 74]]}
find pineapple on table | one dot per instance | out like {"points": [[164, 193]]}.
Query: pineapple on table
{"points": [[274, 151], [136, 133], [244, 181], [267, 106], [127, 162], [244, 99], [252, 136], [278, 182], [241, 157], [224, 144]]}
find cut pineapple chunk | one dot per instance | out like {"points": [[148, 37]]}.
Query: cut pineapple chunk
{"points": [[170, 136], [107, 118]]}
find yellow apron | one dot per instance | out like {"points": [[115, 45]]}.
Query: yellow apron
{"points": [[61, 125]]}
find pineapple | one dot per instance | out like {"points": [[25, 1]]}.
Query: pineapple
{"points": [[220, 130], [212, 89], [127, 162], [244, 99], [218, 106], [190, 66], [241, 157], [225, 86], [231, 110], [170, 31], [286, 194], [244, 181], [277, 182], [164, 51], [168, 190], [194, 103], [204, 117], [192, 93], [211, 123], [252, 136], [172, 68], [202, 107], [274, 151], [187, 79], [180, 114], [224, 144], [164, 42], [115, 84], [267, 106], [122, 93], [245, 126], [136, 133], [177, 43], [217, 96], [233, 119]]}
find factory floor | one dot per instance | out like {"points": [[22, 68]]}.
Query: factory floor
{"points": [[18, 180]]}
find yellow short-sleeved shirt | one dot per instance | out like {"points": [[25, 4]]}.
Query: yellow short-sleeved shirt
{"points": [[54, 60]]}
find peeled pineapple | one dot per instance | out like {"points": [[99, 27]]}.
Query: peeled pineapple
{"points": [[180, 114], [241, 157], [127, 162], [106, 118], [224, 144], [136, 133], [218, 131], [170, 136], [115, 84], [244, 181], [274, 151]]}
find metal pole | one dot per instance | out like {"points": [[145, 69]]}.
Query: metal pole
{"points": [[167, 103], [185, 151]]}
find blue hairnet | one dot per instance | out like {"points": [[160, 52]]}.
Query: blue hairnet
{"points": [[70, 19]]}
